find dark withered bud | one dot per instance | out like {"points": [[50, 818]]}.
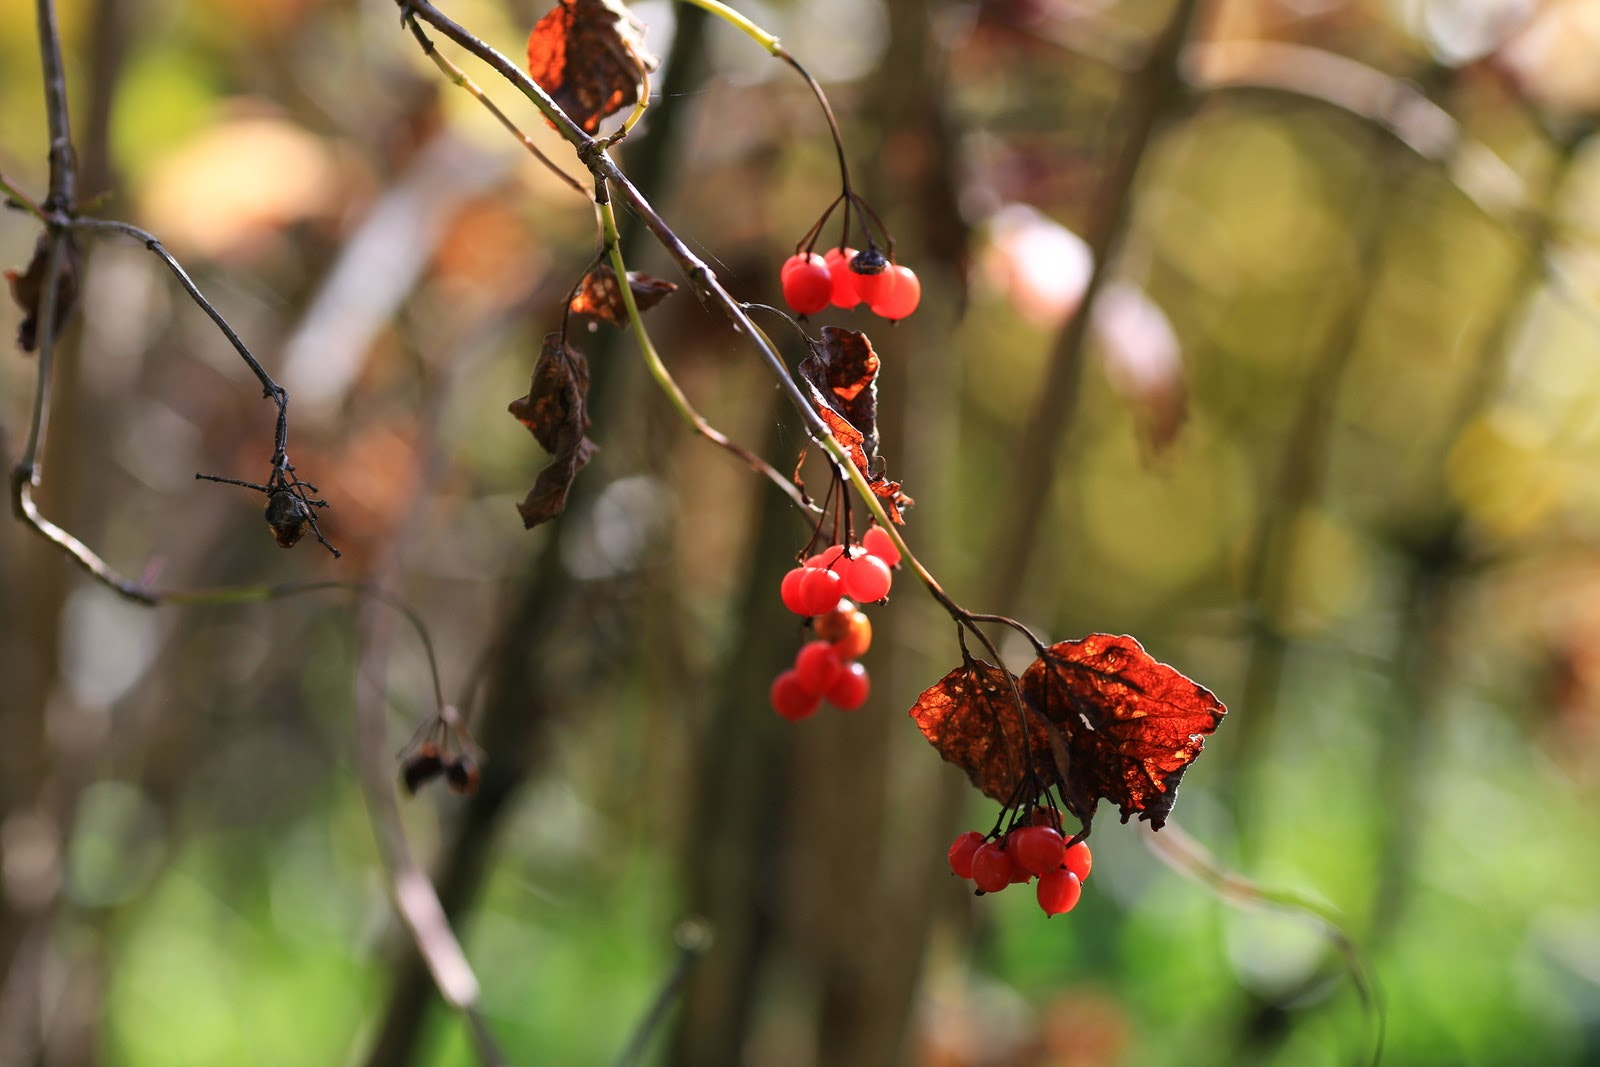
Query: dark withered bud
{"points": [[422, 767], [462, 775], [286, 515]]}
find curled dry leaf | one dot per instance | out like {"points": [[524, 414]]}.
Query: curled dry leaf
{"points": [[27, 289], [589, 56], [1126, 726], [841, 376], [555, 412], [600, 297]]}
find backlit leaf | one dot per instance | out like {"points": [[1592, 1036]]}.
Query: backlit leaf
{"points": [[970, 716], [554, 412], [1133, 724], [589, 56], [599, 297]]}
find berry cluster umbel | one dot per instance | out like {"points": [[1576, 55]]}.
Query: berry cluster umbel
{"points": [[1032, 848], [827, 588], [846, 278]]}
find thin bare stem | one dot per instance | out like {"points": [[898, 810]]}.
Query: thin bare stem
{"points": [[694, 938], [1188, 857], [459, 77], [734, 18], [63, 160]]}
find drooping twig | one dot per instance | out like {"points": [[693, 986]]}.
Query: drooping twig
{"points": [[693, 937]]}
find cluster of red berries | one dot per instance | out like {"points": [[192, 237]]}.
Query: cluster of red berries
{"points": [[827, 588], [1034, 850], [845, 278]]}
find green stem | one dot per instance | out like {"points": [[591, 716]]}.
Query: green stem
{"points": [[658, 369], [733, 18]]}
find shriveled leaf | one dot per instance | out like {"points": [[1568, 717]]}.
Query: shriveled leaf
{"points": [[589, 56], [600, 297], [1132, 724], [554, 412], [970, 716], [841, 375], [27, 289]]}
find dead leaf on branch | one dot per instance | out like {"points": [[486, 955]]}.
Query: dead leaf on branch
{"points": [[600, 297], [1131, 725], [27, 289], [589, 55], [841, 375], [970, 716], [555, 412]]}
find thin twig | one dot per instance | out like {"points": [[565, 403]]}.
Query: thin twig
{"points": [[694, 940]]}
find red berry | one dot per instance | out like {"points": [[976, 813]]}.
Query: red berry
{"points": [[1038, 848], [866, 578], [790, 591], [872, 275], [898, 295], [1059, 892], [799, 259], [843, 279], [1046, 817], [1079, 861], [807, 284], [849, 630], [819, 591], [961, 853], [876, 540], [827, 557], [791, 699], [849, 688], [817, 665], [991, 868]]}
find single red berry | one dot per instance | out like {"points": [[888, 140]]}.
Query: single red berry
{"points": [[1038, 848], [849, 688], [872, 277], [817, 665], [807, 287], [849, 630], [961, 853], [991, 868], [794, 262], [1059, 891], [791, 699], [1079, 861], [877, 541], [790, 590], [1046, 817], [898, 295], [819, 591], [844, 293], [866, 578]]}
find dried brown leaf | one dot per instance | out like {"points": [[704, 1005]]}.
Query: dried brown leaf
{"points": [[27, 289], [600, 297], [841, 376], [589, 56], [554, 412]]}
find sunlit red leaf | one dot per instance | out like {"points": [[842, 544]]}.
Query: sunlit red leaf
{"points": [[589, 56], [970, 716], [1133, 724], [600, 297], [554, 412], [841, 376], [27, 289]]}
